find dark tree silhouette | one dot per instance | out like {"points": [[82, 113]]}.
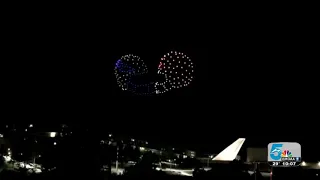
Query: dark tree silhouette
{"points": [[1, 162], [145, 167], [131, 154], [190, 163]]}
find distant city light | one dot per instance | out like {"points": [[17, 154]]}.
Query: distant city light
{"points": [[53, 134], [110, 135], [303, 163], [54, 143], [31, 125], [7, 158], [132, 140], [1, 135], [26, 130]]}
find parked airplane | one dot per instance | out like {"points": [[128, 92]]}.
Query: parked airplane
{"points": [[230, 153]]}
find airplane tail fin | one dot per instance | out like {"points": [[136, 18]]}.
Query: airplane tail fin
{"points": [[231, 152]]}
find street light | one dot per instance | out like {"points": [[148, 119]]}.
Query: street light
{"points": [[303, 163], [53, 134], [318, 163]]}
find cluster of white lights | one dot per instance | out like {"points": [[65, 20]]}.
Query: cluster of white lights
{"points": [[126, 68], [175, 67], [303, 163]]}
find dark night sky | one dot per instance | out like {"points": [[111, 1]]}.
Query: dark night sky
{"points": [[78, 63]]}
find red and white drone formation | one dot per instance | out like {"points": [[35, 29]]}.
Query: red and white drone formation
{"points": [[175, 67]]}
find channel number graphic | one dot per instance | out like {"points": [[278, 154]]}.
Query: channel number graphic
{"points": [[284, 154]]}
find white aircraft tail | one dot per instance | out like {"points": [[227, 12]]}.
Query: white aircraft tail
{"points": [[231, 152]]}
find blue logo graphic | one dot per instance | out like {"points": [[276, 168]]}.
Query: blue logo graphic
{"points": [[275, 152]]}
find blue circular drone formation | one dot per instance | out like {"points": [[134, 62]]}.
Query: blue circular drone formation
{"points": [[175, 69]]}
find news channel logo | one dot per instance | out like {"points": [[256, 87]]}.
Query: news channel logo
{"points": [[284, 153]]}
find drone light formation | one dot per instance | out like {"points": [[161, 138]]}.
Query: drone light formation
{"points": [[127, 67], [175, 67]]}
